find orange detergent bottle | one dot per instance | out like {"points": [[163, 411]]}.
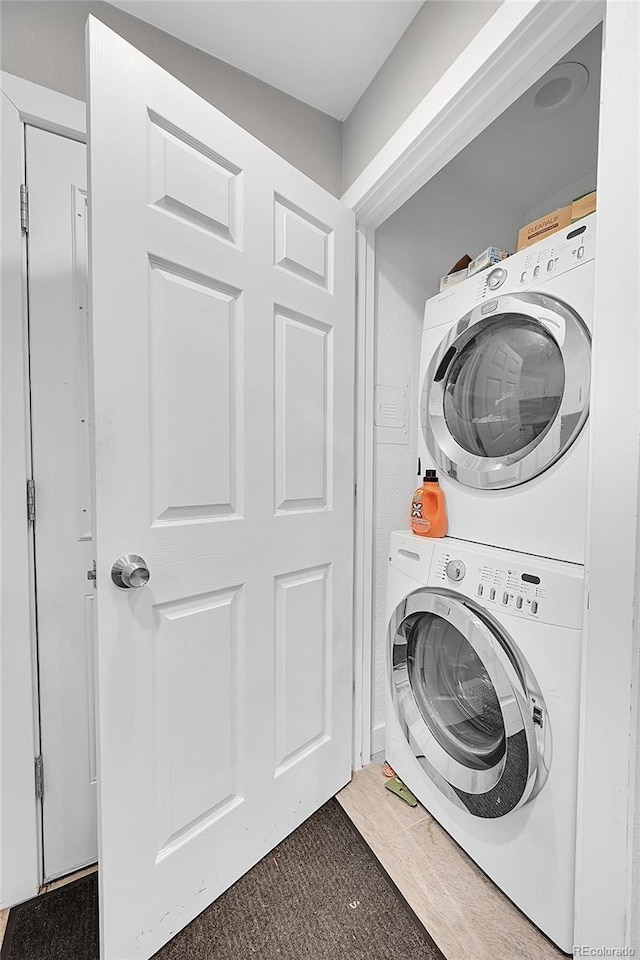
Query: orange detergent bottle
{"points": [[428, 507]]}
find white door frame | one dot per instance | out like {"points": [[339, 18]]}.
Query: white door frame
{"points": [[520, 42], [608, 894], [20, 823], [517, 45]]}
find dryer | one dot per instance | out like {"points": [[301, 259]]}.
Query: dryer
{"points": [[484, 651], [504, 401]]}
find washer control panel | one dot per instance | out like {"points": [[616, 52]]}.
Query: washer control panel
{"points": [[512, 588], [542, 590], [509, 584]]}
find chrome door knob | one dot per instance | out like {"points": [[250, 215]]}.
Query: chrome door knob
{"points": [[130, 571]]}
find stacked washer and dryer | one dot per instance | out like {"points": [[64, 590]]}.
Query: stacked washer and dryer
{"points": [[484, 644]]}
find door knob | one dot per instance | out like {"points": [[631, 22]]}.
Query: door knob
{"points": [[130, 571]]}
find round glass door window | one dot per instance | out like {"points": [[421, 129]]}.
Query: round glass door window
{"points": [[454, 693], [463, 693], [504, 388], [505, 395]]}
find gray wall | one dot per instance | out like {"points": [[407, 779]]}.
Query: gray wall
{"points": [[44, 42], [434, 39]]}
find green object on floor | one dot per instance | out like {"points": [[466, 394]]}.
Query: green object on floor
{"points": [[397, 786]]}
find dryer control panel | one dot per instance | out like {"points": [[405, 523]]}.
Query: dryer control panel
{"points": [[563, 251], [525, 270], [571, 246]]}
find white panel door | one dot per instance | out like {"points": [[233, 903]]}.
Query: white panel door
{"points": [[223, 312], [62, 457]]}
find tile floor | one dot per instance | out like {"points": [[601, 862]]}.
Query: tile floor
{"points": [[465, 913]]}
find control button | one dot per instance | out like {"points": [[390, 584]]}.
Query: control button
{"points": [[480, 588], [580, 253], [549, 266], [496, 278], [523, 276], [492, 593], [519, 603], [536, 270], [455, 569], [534, 606], [505, 597]]}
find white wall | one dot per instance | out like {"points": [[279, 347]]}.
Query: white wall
{"points": [[635, 849], [422, 241], [44, 42], [433, 40]]}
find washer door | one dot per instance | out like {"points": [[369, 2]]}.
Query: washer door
{"points": [[507, 391], [467, 703]]}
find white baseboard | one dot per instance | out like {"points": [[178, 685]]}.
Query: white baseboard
{"points": [[377, 739]]}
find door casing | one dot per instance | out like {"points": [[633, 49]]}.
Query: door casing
{"points": [[21, 875], [61, 430], [517, 45]]}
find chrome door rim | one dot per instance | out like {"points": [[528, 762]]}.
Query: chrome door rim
{"points": [[574, 342], [514, 687]]}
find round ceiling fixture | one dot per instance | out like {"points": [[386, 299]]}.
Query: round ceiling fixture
{"points": [[559, 88]]}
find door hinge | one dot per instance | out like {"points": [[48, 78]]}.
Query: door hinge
{"points": [[31, 501], [39, 771], [24, 208], [587, 590]]}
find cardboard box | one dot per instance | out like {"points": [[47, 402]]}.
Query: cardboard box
{"points": [[452, 278], [486, 259], [583, 206], [461, 264], [544, 226]]}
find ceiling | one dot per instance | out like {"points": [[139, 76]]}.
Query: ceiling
{"points": [[324, 52]]}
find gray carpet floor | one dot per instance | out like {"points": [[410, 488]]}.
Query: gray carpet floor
{"points": [[320, 895]]}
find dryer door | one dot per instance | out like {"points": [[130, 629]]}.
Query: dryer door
{"points": [[507, 392], [467, 703]]}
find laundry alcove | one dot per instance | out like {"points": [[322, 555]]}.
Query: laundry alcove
{"points": [[528, 162]]}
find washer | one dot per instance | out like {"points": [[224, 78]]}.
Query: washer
{"points": [[504, 404], [484, 652]]}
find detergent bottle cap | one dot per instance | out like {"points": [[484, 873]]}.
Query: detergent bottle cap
{"points": [[430, 476]]}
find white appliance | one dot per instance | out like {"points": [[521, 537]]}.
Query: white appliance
{"points": [[482, 710], [505, 375]]}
